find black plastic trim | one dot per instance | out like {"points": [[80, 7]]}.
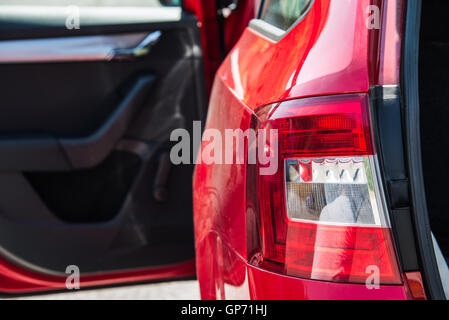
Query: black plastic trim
{"points": [[16, 31], [91, 150], [32, 154], [410, 84], [387, 129], [55, 154]]}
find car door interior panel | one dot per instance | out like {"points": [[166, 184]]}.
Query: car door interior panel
{"points": [[86, 117]]}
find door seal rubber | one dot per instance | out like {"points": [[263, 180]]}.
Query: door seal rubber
{"points": [[410, 83]]}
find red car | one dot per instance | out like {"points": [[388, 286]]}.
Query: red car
{"points": [[320, 172], [338, 82]]}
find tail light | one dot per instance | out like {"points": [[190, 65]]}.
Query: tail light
{"points": [[321, 214]]}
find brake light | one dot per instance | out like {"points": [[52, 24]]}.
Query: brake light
{"points": [[321, 215]]}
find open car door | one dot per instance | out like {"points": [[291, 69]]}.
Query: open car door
{"points": [[89, 97]]}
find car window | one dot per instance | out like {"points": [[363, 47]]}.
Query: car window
{"points": [[284, 13], [92, 3]]}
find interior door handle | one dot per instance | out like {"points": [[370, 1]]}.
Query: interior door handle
{"points": [[142, 49]]}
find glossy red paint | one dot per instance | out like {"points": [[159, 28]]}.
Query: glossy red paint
{"points": [[237, 22], [328, 52], [206, 12], [14, 279], [266, 285], [385, 44]]}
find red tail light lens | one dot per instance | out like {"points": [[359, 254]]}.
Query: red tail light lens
{"points": [[321, 215]]}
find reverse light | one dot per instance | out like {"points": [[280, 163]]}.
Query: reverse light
{"points": [[321, 215]]}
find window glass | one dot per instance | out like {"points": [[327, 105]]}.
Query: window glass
{"points": [[284, 13]]}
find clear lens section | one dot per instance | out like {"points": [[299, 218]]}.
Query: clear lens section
{"points": [[334, 191]]}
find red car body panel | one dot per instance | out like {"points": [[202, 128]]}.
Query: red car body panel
{"points": [[15, 279], [388, 61], [233, 26], [322, 55], [328, 52]]}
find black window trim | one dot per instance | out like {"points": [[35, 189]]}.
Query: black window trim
{"points": [[270, 31]]}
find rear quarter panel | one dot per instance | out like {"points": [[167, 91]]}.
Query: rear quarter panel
{"points": [[326, 53]]}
